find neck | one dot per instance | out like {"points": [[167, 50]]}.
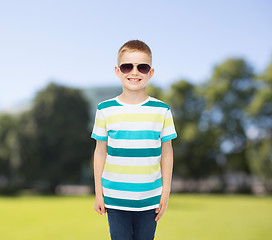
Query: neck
{"points": [[133, 97]]}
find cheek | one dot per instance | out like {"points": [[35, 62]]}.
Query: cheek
{"points": [[145, 81], [146, 78], [124, 80]]}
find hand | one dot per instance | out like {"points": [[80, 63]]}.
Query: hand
{"points": [[163, 205], [99, 205]]}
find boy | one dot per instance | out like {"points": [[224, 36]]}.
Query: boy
{"points": [[133, 158]]}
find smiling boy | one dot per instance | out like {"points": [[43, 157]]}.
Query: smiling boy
{"points": [[133, 158]]}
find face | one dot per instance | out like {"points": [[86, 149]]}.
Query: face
{"points": [[134, 80]]}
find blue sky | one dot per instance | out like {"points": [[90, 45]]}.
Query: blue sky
{"points": [[75, 43]]}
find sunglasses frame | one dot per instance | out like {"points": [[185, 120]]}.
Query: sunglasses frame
{"points": [[136, 67]]}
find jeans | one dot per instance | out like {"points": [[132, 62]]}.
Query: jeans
{"points": [[132, 225]]}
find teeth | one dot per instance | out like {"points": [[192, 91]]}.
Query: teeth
{"points": [[134, 79]]}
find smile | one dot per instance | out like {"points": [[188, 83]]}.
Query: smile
{"points": [[134, 79]]}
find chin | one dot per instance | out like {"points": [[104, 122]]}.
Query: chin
{"points": [[134, 88]]}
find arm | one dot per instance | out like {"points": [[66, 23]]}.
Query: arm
{"points": [[166, 167], [100, 154], [166, 170]]}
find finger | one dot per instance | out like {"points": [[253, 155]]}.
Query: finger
{"points": [[158, 208], [98, 210], [159, 215], [103, 210]]}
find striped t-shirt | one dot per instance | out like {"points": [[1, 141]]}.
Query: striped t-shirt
{"points": [[131, 178]]}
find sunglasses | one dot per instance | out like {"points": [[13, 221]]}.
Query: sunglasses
{"points": [[127, 67]]}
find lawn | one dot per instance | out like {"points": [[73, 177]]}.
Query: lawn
{"points": [[188, 217]]}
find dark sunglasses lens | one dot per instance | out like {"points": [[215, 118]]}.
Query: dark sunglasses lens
{"points": [[143, 68], [126, 68]]}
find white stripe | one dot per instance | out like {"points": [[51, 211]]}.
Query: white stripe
{"points": [[123, 110], [168, 114], [100, 131], [167, 131], [131, 143], [132, 126], [125, 161], [131, 178], [99, 114], [131, 195]]}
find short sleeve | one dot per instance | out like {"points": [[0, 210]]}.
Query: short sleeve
{"points": [[99, 129], [168, 131]]}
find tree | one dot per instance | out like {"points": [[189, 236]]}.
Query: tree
{"points": [[154, 91], [227, 94], [192, 148], [260, 109], [57, 137], [261, 106], [9, 161]]}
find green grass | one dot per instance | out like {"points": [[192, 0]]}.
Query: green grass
{"points": [[188, 217]]}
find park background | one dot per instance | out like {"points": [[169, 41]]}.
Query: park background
{"points": [[213, 66]]}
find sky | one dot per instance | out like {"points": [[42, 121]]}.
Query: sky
{"points": [[75, 43]]}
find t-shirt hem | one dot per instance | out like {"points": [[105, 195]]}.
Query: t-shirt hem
{"points": [[100, 138], [132, 209], [169, 137]]}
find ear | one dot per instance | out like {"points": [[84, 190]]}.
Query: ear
{"points": [[151, 72], [117, 71]]}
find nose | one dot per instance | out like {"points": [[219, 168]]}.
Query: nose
{"points": [[134, 70]]}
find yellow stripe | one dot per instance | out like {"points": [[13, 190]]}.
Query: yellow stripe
{"points": [[100, 123], [135, 117], [168, 122], [132, 169]]}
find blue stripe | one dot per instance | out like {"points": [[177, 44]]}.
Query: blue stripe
{"points": [[107, 104], [132, 203], [134, 152], [139, 134], [97, 137], [156, 104], [132, 187], [169, 137]]}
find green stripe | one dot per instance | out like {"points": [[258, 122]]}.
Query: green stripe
{"points": [[134, 152], [107, 104], [132, 203], [156, 104], [132, 187]]}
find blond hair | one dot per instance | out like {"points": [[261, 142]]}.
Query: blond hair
{"points": [[133, 46]]}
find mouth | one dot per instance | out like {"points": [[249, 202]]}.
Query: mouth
{"points": [[134, 80]]}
